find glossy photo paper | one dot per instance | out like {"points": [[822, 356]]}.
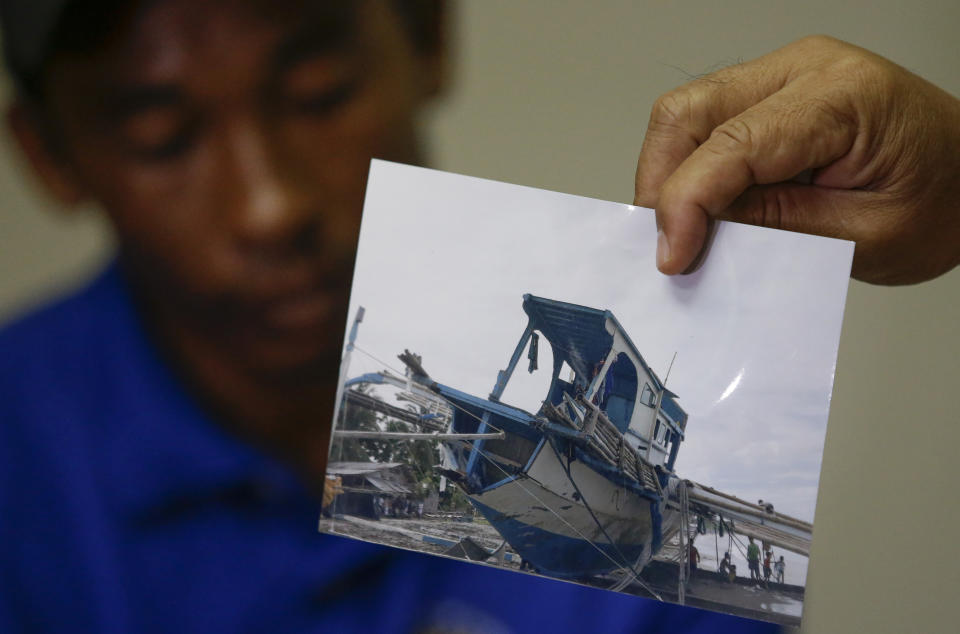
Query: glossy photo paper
{"points": [[522, 388]]}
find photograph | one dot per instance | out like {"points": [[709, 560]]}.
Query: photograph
{"points": [[522, 389]]}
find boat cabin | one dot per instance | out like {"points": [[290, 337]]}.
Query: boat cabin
{"points": [[607, 369]]}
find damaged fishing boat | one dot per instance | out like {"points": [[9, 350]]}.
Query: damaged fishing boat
{"points": [[580, 487]]}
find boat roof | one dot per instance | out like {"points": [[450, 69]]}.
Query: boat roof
{"points": [[476, 406], [578, 334]]}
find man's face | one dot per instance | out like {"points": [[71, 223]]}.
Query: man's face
{"points": [[229, 144]]}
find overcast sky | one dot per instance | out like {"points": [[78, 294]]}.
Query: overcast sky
{"points": [[444, 261]]}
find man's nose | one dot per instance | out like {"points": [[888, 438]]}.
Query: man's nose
{"points": [[270, 213]]}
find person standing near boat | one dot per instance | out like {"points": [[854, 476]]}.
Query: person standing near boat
{"points": [[753, 560], [694, 558], [724, 569], [780, 566]]}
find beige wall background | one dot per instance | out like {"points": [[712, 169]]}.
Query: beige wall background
{"points": [[556, 94]]}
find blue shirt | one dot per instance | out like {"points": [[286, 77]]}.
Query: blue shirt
{"points": [[125, 508]]}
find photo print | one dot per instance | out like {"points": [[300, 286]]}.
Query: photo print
{"points": [[522, 388]]}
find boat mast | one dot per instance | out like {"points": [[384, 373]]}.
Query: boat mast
{"points": [[656, 409], [344, 368]]}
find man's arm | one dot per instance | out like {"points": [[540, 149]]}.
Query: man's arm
{"points": [[821, 137]]}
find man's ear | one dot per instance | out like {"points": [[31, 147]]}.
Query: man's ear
{"points": [[48, 162]]}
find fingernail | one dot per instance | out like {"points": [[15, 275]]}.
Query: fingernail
{"points": [[663, 249]]}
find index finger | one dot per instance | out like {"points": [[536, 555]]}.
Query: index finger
{"points": [[684, 118], [798, 128]]}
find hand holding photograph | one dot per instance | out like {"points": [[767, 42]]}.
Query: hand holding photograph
{"points": [[521, 388]]}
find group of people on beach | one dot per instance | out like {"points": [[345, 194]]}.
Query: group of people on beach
{"points": [[398, 507], [753, 560], [727, 570]]}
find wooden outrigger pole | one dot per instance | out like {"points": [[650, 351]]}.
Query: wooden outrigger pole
{"points": [[397, 435]]}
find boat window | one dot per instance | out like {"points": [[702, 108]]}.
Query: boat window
{"points": [[619, 391], [647, 396], [661, 432]]}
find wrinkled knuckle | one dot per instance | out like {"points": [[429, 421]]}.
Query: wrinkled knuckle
{"points": [[835, 112], [673, 109], [851, 65], [873, 85], [734, 135], [864, 70], [771, 209]]}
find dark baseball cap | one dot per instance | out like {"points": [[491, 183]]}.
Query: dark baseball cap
{"points": [[28, 26]]}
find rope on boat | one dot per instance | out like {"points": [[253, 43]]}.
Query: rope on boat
{"points": [[716, 543], [684, 561], [626, 565], [568, 524], [733, 539]]}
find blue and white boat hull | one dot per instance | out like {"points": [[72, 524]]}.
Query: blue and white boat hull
{"points": [[544, 518], [564, 512]]}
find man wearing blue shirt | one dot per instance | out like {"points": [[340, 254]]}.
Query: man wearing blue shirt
{"points": [[164, 430]]}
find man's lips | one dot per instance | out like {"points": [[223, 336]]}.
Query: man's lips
{"points": [[286, 297], [267, 285], [300, 311], [297, 305]]}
